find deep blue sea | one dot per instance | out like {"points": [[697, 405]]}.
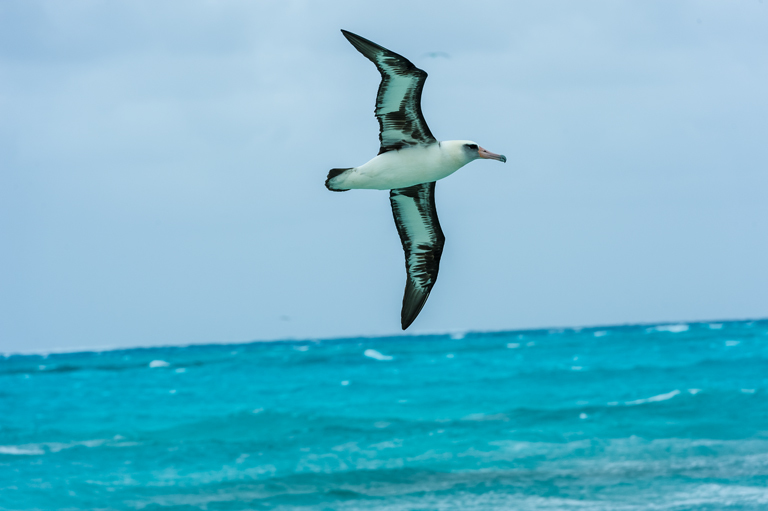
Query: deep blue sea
{"points": [[658, 417]]}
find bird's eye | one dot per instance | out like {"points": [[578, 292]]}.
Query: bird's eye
{"points": [[472, 146]]}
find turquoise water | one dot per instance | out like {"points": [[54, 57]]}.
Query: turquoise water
{"points": [[667, 417]]}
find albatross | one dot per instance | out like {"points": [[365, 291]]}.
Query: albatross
{"points": [[409, 163]]}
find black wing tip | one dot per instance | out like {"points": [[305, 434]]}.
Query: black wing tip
{"points": [[370, 50], [414, 299], [360, 41], [351, 36]]}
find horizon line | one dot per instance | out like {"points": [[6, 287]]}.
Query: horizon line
{"points": [[451, 333]]}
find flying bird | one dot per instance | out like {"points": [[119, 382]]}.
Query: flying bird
{"points": [[409, 162]]}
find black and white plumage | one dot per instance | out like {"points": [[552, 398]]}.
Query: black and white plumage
{"points": [[409, 162], [398, 102], [422, 238]]}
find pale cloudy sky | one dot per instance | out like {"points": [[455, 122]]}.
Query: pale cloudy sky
{"points": [[162, 167]]}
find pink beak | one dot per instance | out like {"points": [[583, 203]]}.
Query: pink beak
{"points": [[484, 153]]}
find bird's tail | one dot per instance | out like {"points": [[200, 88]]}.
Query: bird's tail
{"points": [[332, 174]]}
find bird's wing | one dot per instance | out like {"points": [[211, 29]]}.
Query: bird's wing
{"points": [[423, 240], [398, 103]]}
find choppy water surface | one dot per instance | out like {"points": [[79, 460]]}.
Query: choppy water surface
{"points": [[667, 417]]}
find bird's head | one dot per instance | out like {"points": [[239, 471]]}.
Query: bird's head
{"points": [[474, 151]]}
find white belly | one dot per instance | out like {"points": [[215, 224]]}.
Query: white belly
{"points": [[406, 167]]}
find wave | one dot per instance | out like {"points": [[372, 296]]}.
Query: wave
{"points": [[43, 448], [678, 412], [596, 330], [617, 417], [407, 489]]}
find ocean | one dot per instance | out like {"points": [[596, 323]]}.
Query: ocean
{"points": [[656, 417]]}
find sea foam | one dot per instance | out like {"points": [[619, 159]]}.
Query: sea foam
{"points": [[660, 397], [376, 355]]}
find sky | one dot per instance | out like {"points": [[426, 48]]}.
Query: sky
{"points": [[162, 167]]}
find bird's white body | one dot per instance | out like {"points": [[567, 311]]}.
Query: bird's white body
{"points": [[406, 167]]}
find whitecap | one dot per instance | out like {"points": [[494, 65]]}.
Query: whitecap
{"points": [[748, 391], [675, 329], [301, 348], [42, 448], [693, 392], [449, 355], [513, 345], [345, 383], [181, 370], [15, 450], [583, 415], [653, 399], [732, 343], [600, 333], [530, 343], [715, 326], [576, 368], [457, 336], [159, 363], [376, 355]]}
